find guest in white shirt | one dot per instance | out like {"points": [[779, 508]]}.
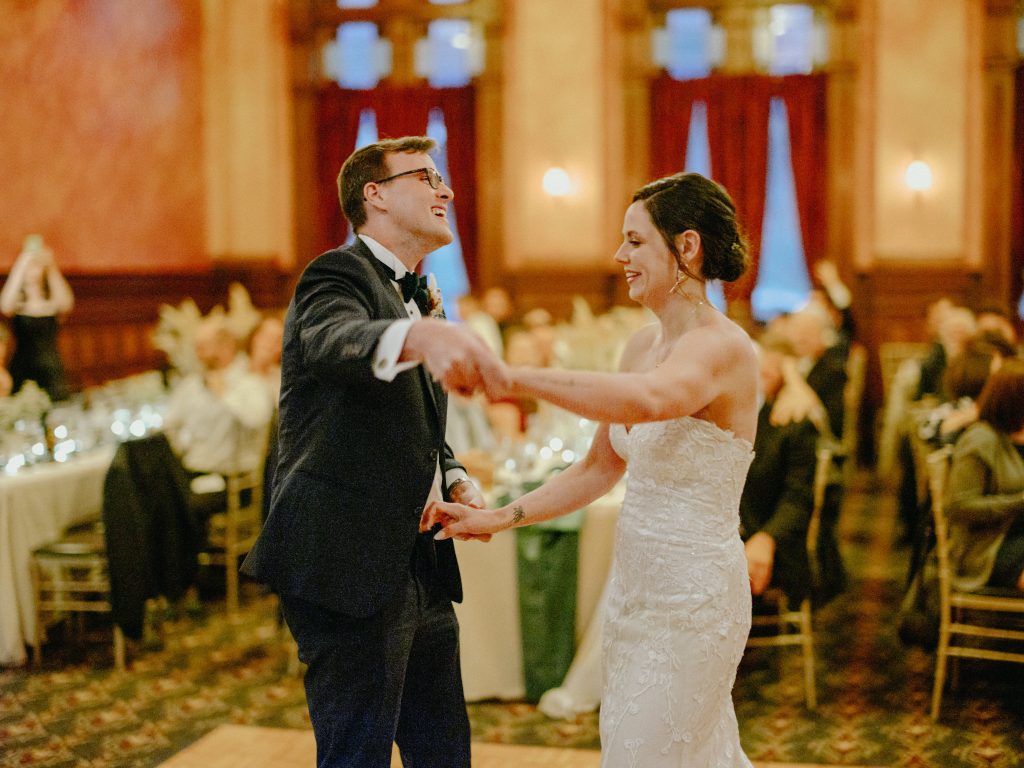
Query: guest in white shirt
{"points": [[265, 354], [217, 418]]}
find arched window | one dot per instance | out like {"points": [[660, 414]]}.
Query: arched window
{"points": [[357, 58], [788, 39], [451, 53], [689, 45]]}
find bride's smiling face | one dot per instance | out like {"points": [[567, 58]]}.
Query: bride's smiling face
{"points": [[646, 260]]}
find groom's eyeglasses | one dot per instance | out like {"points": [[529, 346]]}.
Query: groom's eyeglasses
{"points": [[434, 179]]}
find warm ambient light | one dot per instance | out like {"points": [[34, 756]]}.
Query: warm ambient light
{"points": [[557, 182], [918, 176]]}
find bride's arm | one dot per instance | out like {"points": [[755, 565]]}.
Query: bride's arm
{"points": [[569, 490], [684, 383]]}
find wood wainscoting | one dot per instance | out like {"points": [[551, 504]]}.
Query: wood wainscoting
{"points": [[109, 333]]}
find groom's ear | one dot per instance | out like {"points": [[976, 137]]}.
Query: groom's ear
{"points": [[373, 195]]}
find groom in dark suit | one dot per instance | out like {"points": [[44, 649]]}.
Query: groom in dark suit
{"points": [[366, 361]]}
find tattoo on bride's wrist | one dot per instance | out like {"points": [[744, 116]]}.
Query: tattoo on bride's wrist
{"points": [[518, 513]]}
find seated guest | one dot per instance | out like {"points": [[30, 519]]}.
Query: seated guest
{"points": [[481, 323], [955, 326], [985, 492], [995, 322], [822, 363], [497, 303], [265, 354], [964, 379], [778, 497], [511, 417], [835, 298], [541, 326], [217, 418]]}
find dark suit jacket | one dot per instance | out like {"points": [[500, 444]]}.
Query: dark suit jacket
{"points": [[827, 378], [356, 455], [152, 538], [779, 495]]}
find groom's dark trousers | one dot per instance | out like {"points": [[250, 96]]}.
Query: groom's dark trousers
{"points": [[390, 677]]}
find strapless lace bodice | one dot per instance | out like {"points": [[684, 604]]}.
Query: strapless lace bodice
{"points": [[678, 609], [685, 468]]}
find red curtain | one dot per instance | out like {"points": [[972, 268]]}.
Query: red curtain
{"points": [[1017, 191], [671, 109], [738, 107], [805, 102], [337, 126], [459, 107], [400, 111], [738, 139]]}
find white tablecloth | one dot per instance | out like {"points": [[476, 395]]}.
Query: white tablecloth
{"points": [[36, 505], [490, 640]]}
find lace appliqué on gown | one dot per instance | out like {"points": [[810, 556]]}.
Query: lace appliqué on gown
{"points": [[678, 611]]}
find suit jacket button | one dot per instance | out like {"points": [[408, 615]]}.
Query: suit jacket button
{"points": [[433, 454]]}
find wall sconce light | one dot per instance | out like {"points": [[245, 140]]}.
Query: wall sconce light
{"points": [[557, 182], [918, 176]]}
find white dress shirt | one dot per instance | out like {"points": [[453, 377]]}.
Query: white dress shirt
{"points": [[389, 348]]}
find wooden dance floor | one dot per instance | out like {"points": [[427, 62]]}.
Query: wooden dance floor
{"points": [[233, 746]]}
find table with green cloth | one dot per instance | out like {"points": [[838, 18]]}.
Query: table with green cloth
{"points": [[529, 597]]}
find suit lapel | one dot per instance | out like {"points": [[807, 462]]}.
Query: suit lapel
{"points": [[434, 392]]}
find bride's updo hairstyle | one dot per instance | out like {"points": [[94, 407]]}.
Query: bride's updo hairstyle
{"points": [[690, 201]]}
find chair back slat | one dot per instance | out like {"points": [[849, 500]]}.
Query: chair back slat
{"points": [[822, 469], [937, 468]]}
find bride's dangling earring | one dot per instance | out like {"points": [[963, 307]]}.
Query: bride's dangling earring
{"points": [[681, 277]]}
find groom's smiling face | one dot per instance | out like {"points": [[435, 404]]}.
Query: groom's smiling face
{"points": [[412, 204]]}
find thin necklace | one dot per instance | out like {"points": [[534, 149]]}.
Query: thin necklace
{"points": [[693, 312]]}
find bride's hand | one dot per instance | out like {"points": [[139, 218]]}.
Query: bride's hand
{"points": [[459, 521], [497, 381]]}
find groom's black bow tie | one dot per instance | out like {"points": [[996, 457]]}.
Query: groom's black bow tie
{"points": [[414, 287]]}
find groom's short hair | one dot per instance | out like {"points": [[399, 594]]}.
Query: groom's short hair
{"points": [[369, 164]]}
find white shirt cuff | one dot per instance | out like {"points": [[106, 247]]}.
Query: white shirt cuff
{"points": [[454, 474], [389, 348]]}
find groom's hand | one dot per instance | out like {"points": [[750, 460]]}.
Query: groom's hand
{"points": [[467, 493], [452, 355]]}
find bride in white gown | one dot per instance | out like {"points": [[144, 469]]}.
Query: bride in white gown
{"points": [[681, 414]]}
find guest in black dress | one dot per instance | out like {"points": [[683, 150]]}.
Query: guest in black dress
{"points": [[34, 296]]}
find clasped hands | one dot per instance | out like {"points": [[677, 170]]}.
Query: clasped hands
{"points": [[457, 358], [464, 518]]}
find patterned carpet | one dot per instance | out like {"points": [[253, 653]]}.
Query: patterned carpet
{"points": [[873, 693]]}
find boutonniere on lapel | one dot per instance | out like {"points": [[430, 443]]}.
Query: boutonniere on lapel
{"points": [[423, 291], [434, 304]]}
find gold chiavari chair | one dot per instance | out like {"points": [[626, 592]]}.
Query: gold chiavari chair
{"points": [[982, 616], [233, 532], [794, 627], [70, 575]]}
